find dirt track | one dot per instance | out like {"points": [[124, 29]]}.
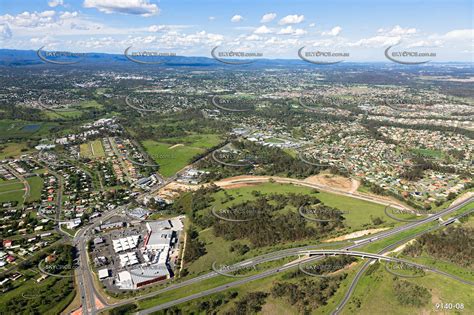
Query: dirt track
{"points": [[346, 187]]}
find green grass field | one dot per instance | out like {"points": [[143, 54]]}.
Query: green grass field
{"points": [[429, 153], [92, 149], [85, 150], [359, 211], [174, 154], [376, 295], [68, 113], [98, 148], [91, 104], [446, 266], [271, 306], [217, 248], [36, 185], [75, 111], [11, 185], [12, 190], [13, 150]]}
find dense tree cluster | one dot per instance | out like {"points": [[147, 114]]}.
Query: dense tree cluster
{"points": [[265, 160], [453, 244], [194, 247], [54, 289], [420, 165], [307, 294], [411, 294], [249, 304], [41, 300], [267, 225], [264, 214], [329, 265], [161, 127]]}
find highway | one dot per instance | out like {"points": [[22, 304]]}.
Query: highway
{"points": [[84, 274], [89, 292], [292, 265], [360, 243], [387, 249]]}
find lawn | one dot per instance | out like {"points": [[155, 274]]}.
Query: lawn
{"points": [[85, 150], [97, 148], [36, 185], [13, 149], [174, 154], [271, 306], [429, 153], [178, 293], [218, 249], [68, 113], [442, 265], [379, 287], [92, 149], [91, 104], [359, 211], [12, 190], [11, 185]]}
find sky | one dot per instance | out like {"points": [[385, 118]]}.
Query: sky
{"points": [[362, 29]]}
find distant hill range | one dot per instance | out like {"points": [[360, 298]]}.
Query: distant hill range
{"points": [[11, 57], [28, 58]]}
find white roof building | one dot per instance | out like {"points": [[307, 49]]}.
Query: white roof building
{"points": [[140, 276], [103, 273], [159, 239], [125, 243], [124, 280], [128, 259]]}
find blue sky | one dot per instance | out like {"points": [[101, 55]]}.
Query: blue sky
{"points": [[274, 27]]}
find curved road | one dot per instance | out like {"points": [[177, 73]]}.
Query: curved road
{"points": [[359, 243], [387, 249]]}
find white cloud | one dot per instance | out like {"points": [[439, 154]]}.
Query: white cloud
{"points": [[465, 34], [5, 31], [81, 27], [253, 37], [236, 18], [262, 30], [55, 3], [312, 25], [333, 32], [211, 18], [156, 28], [174, 39], [135, 7], [27, 19], [289, 30], [268, 17], [46, 40], [330, 42], [284, 43], [377, 41], [397, 30], [291, 19], [68, 15], [425, 43]]}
